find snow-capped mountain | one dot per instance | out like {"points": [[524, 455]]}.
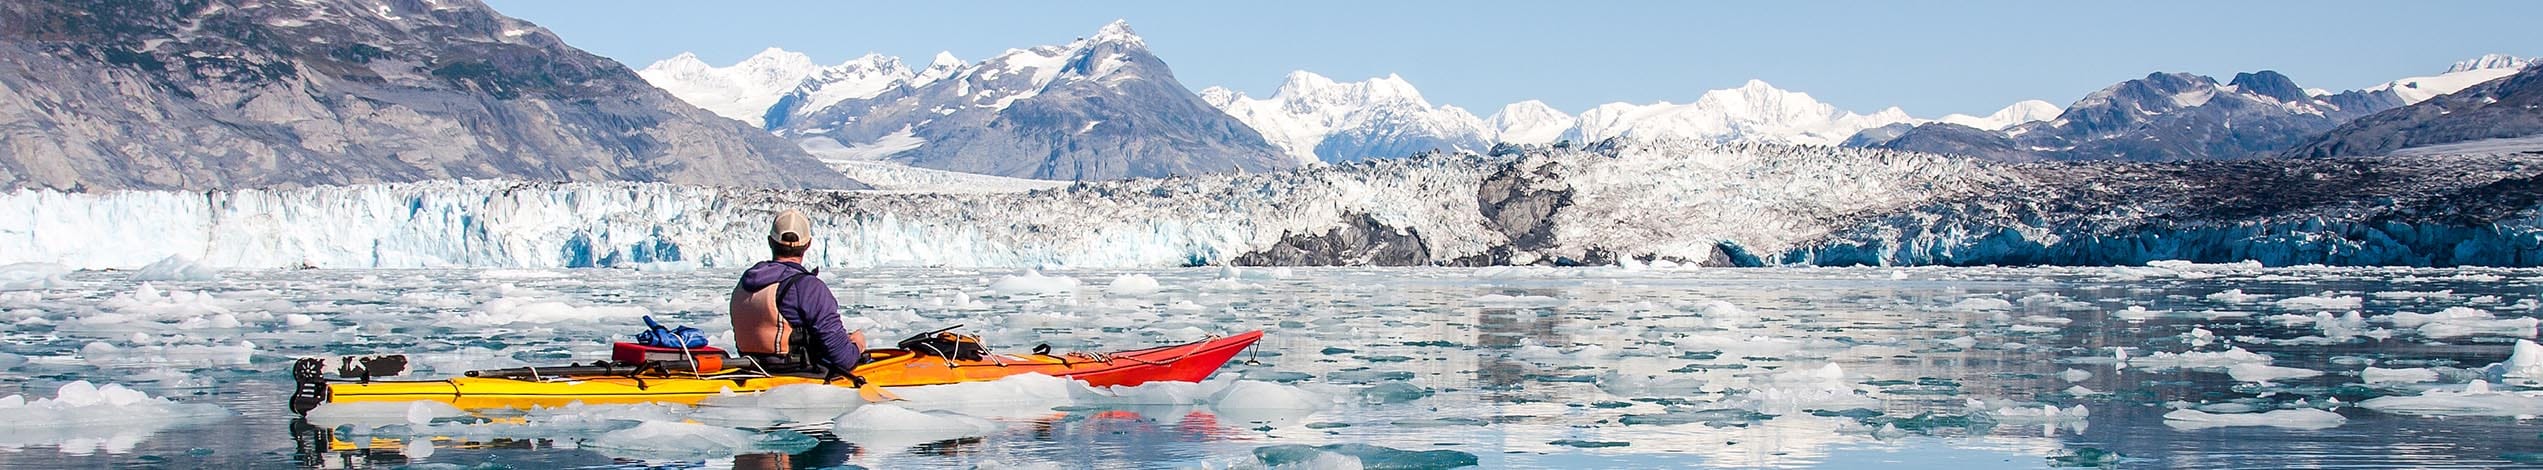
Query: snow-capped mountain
{"points": [[1530, 122], [243, 93], [742, 91], [1100, 107], [1315, 119], [2500, 114], [2164, 116], [2021, 112], [1318, 120], [863, 77], [1754, 112], [2463, 75]]}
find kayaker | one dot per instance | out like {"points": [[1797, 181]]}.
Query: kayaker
{"points": [[784, 317]]}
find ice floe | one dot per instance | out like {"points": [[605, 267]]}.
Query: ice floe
{"points": [[2297, 418]]}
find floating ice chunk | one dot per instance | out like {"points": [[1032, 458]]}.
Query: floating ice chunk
{"points": [[511, 310], [376, 414], [2476, 399], [1807, 388], [2463, 321], [2415, 295], [1153, 393], [892, 426], [1646, 385], [2204, 270], [2298, 418], [1230, 285], [2137, 313], [1257, 395], [1359, 456], [1015, 395], [101, 353], [2336, 328], [2378, 375], [2235, 296], [1133, 285], [2041, 413], [1523, 272], [32, 276], [1720, 314], [148, 303], [745, 417], [2525, 361], [176, 268], [2195, 359], [1032, 282], [2264, 373], [801, 403], [2075, 375], [1499, 300], [82, 417], [1980, 304], [2324, 301], [2198, 337], [675, 440]]}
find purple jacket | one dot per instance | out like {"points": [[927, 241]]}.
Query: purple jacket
{"points": [[809, 307]]}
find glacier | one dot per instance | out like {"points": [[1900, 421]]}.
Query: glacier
{"points": [[1618, 201]]}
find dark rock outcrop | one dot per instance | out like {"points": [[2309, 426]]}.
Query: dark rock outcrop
{"points": [[1360, 241]]}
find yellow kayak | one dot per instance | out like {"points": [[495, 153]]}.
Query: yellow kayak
{"points": [[1191, 362]]}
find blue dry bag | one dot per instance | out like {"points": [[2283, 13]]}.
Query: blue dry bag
{"points": [[657, 336]]}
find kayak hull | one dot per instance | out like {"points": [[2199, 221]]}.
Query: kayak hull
{"points": [[1190, 362]]}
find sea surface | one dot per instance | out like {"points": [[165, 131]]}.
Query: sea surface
{"points": [[2169, 366]]}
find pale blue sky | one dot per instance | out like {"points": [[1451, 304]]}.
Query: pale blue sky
{"points": [[1930, 57]]}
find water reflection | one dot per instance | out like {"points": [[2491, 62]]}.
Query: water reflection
{"points": [[1520, 368]]}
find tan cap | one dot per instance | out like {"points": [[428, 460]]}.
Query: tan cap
{"points": [[791, 229]]}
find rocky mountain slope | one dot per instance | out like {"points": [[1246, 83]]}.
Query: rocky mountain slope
{"points": [[239, 93], [2175, 116], [2509, 107], [1100, 107]]}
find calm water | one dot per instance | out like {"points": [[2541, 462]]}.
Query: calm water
{"points": [[1540, 368]]}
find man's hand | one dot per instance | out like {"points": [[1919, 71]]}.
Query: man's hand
{"points": [[857, 337]]}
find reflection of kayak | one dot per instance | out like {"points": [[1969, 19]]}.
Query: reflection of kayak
{"points": [[558, 386]]}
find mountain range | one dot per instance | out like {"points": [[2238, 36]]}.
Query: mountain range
{"points": [[102, 95], [873, 108]]}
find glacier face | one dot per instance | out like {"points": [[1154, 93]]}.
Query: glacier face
{"points": [[2378, 211], [1686, 200], [1170, 222]]}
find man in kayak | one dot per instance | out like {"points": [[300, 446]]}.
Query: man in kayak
{"points": [[784, 318]]}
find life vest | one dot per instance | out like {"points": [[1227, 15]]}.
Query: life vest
{"points": [[758, 327]]}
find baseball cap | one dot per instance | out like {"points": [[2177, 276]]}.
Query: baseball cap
{"points": [[791, 229]]}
